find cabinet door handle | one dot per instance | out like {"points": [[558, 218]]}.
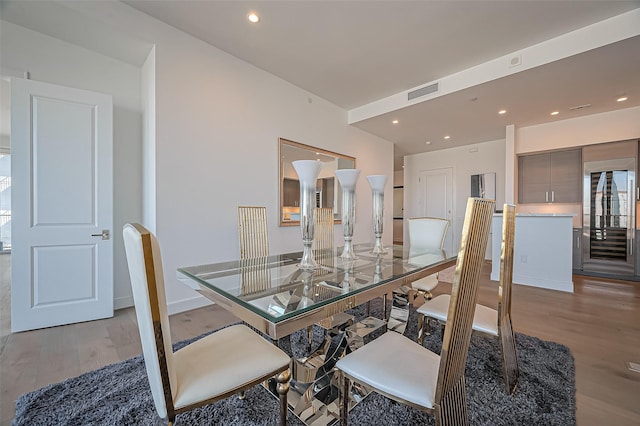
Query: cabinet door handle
{"points": [[546, 197], [578, 241], [553, 196]]}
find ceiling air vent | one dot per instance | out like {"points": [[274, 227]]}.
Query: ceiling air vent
{"points": [[575, 108], [432, 88]]}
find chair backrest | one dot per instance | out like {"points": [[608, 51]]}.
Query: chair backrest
{"points": [[464, 291], [427, 232], [252, 232], [323, 240], [324, 229], [509, 351], [256, 275], [147, 284], [506, 263]]}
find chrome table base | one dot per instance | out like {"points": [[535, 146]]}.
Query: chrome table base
{"points": [[314, 393]]}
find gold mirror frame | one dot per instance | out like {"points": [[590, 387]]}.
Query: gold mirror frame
{"points": [[329, 193]]}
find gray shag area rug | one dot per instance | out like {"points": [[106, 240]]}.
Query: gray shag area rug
{"points": [[119, 394]]}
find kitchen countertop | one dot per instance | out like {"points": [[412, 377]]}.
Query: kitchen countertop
{"points": [[541, 214]]}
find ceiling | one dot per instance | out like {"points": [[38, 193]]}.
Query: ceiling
{"points": [[354, 53]]}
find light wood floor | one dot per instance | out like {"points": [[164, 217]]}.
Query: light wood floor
{"points": [[600, 322]]}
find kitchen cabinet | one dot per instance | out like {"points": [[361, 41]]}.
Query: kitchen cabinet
{"points": [[577, 249], [550, 177], [290, 193]]}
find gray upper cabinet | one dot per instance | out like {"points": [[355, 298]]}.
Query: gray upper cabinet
{"points": [[550, 177]]}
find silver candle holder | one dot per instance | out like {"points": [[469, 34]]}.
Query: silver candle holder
{"points": [[308, 172], [377, 183], [348, 179]]}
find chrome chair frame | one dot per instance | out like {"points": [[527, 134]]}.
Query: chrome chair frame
{"points": [[449, 403], [504, 327], [158, 361]]}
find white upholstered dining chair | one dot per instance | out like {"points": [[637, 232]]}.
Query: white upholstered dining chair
{"points": [[426, 233], [224, 363], [488, 320], [404, 371]]}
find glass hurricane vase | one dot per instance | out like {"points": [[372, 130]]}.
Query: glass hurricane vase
{"points": [[348, 179], [377, 183], [308, 172]]}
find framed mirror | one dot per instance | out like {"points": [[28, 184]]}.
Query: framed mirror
{"points": [[328, 193]]}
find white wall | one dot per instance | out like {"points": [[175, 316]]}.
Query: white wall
{"points": [[484, 157], [54, 61], [492, 156], [587, 130], [218, 122], [576, 132], [149, 141]]}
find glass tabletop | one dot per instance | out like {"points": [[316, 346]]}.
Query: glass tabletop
{"points": [[277, 290]]}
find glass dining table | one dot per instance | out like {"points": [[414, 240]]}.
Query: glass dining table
{"points": [[277, 298]]}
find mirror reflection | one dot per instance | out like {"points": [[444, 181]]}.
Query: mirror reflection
{"points": [[328, 193]]}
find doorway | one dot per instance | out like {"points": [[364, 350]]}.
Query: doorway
{"points": [[436, 199], [62, 205]]}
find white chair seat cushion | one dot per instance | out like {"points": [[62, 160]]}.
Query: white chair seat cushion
{"points": [[397, 366], [426, 283], [223, 361], [485, 319]]}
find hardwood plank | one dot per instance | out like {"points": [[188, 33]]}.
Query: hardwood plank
{"points": [[599, 322]]}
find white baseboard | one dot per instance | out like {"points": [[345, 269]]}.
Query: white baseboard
{"points": [[188, 304], [122, 302], [544, 283], [172, 308], [538, 282]]}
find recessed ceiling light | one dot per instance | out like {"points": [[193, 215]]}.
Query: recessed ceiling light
{"points": [[428, 142], [447, 137], [622, 99], [555, 113], [395, 121], [502, 111], [253, 17]]}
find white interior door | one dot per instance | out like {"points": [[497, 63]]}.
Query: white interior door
{"points": [[62, 200], [436, 199]]}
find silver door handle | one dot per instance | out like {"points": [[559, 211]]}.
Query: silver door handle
{"points": [[104, 234], [553, 196], [546, 197]]}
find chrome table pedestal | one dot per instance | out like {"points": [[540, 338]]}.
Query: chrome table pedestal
{"points": [[314, 392]]}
